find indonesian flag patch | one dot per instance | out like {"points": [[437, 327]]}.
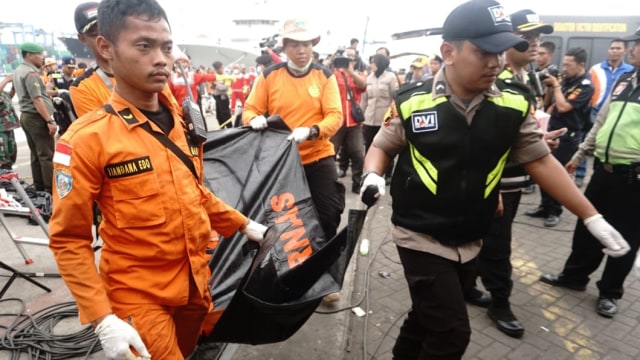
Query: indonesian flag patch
{"points": [[62, 155]]}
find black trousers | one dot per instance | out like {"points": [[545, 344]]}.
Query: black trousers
{"points": [[368, 133], [327, 193], [223, 112], [494, 265], [437, 326], [617, 201], [348, 140], [568, 146]]}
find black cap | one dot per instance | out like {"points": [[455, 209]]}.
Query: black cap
{"points": [[527, 20], [86, 16], [485, 24], [633, 37]]}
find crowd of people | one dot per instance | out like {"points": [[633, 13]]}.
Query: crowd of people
{"points": [[456, 141]]}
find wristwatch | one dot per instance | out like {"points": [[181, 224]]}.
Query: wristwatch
{"points": [[52, 121], [314, 132]]}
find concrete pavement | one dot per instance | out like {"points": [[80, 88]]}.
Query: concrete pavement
{"points": [[559, 323]]}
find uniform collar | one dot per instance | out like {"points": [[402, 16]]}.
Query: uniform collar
{"points": [[132, 117], [33, 67]]}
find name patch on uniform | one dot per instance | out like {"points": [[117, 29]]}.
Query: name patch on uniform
{"points": [[425, 121], [129, 167], [64, 182]]}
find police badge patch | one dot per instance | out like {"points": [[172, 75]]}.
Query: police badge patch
{"points": [[64, 182]]}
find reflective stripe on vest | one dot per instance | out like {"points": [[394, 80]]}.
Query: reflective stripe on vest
{"points": [[419, 102], [493, 178], [425, 169], [512, 101]]}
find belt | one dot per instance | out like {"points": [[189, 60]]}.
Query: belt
{"points": [[615, 169]]}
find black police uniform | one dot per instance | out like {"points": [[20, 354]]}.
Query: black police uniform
{"points": [[578, 91]]}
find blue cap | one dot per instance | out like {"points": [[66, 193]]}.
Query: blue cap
{"points": [[69, 61]]}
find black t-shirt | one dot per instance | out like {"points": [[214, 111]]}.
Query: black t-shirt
{"points": [[162, 118]]}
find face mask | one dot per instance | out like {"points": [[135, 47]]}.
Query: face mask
{"points": [[298, 68]]}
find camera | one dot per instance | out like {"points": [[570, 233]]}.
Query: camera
{"points": [[270, 42], [341, 62], [551, 70]]}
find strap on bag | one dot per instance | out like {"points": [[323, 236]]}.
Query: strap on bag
{"points": [[162, 138], [346, 84]]}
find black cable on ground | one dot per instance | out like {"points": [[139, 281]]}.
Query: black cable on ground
{"points": [[365, 292], [36, 335]]}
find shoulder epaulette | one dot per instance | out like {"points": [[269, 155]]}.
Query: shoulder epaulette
{"points": [[272, 68], [84, 75], [513, 86], [412, 87]]}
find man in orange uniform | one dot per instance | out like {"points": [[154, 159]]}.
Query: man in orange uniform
{"points": [[157, 215], [306, 96], [89, 91]]}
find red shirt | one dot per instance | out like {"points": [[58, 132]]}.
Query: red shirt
{"points": [[347, 119], [179, 90]]}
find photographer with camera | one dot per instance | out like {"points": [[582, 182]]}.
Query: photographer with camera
{"points": [[269, 46], [569, 103], [348, 140]]}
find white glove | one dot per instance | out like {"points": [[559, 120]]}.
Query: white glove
{"points": [[62, 91], [57, 100], [258, 123], [116, 337], [254, 231], [300, 134], [615, 245], [375, 180]]}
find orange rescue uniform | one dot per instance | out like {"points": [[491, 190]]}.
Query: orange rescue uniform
{"points": [[277, 91], [157, 217]]}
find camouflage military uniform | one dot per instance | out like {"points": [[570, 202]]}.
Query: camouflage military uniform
{"points": [[8, 122]]}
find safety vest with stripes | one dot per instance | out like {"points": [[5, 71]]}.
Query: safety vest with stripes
{"points": [[446, 180]]}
